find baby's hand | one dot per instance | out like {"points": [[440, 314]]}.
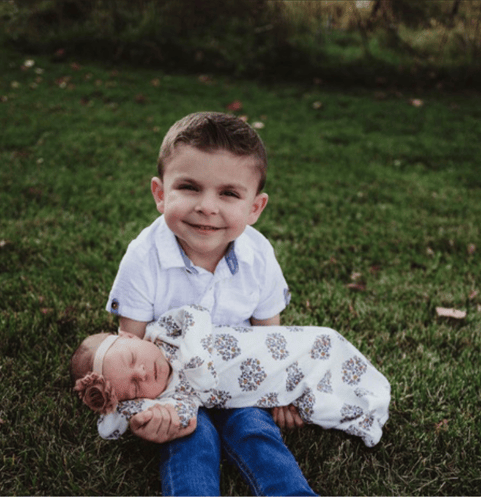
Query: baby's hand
{"points": [[287, 417], [159, 424]]}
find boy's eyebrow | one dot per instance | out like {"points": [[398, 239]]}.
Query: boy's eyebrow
{"points": [[233, 186], [229, 186]]}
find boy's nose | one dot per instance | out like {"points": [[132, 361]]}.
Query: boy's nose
{"points": [[207, 204]]}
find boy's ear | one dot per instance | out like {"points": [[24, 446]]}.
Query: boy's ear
{"points": [[258, 206], [157, 189]]}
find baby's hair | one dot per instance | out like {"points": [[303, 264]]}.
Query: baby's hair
{"points": [[93, 389], [212, 131]]}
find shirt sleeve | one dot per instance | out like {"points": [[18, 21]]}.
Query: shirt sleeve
{"points": [[133, 292], [274, 292]]}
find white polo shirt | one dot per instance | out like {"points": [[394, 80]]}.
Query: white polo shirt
{"points": [[155, 276]]}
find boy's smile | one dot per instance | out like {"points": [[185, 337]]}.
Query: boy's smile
{"points": [[208, 198]]}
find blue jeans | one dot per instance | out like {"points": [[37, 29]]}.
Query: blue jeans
{"points": [[249, 438]]}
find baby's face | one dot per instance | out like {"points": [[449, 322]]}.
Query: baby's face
{"points": [[136, 368]]}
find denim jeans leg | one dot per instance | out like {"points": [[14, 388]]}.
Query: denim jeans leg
{"points": [[191, 465], [254, 442]]}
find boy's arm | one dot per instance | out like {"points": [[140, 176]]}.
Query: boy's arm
{"points": [[128, 325], [274, 321]]}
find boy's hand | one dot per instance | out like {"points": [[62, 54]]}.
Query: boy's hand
{"points": [[287, 417], [159, 424]]}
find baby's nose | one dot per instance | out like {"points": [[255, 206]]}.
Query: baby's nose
{"points": [[141, 372]]}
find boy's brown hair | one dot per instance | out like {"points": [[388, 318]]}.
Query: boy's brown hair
{"points": [[212, 131]]}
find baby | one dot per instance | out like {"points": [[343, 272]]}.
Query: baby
{"points": [[317, 370]]}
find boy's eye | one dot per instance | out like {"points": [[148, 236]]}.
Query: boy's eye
{"points": [[230, 193], [188, 187]]}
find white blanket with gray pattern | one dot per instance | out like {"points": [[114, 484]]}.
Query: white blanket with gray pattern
{"points": [[316, 369]]}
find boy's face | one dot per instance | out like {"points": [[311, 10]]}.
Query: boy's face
{"points": [[208, 198], [136, 368]]}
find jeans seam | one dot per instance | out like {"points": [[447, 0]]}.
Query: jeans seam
{"points": [[168, 474], [243, 468]]}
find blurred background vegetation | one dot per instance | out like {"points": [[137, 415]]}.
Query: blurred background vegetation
{"points": [[422, 43]]}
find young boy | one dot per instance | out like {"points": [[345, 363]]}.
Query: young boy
{"points": [[203, 250]]}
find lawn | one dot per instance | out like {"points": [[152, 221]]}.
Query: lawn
{"points": [[374, 212]]}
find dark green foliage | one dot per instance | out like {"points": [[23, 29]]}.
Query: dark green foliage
{"points": [[407, 43]]}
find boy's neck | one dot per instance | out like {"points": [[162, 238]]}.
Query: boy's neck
{"points": [[209, 262]]}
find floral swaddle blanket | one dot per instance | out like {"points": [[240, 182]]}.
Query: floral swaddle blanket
{"points": [[315, 368]]}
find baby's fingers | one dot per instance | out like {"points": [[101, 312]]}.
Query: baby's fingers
{"points": [[141, 419]]}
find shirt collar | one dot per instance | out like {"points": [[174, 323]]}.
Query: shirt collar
{"points": [[231, 259], [187, 262]]}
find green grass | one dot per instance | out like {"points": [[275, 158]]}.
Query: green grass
{"points": [[368, 189]]}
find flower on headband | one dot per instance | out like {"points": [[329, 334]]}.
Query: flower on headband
{"points": [[96, 392]]}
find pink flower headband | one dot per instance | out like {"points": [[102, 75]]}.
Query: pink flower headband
{"points": [[93, 389], [101, 351]]}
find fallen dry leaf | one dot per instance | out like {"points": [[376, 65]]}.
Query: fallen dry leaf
{"points": [[235, 106], [471, 248], [416, 102], [374, 269], [206, 80], [450, 313], [442, 425], [359, 287], [317, 105], [473, 294]]}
